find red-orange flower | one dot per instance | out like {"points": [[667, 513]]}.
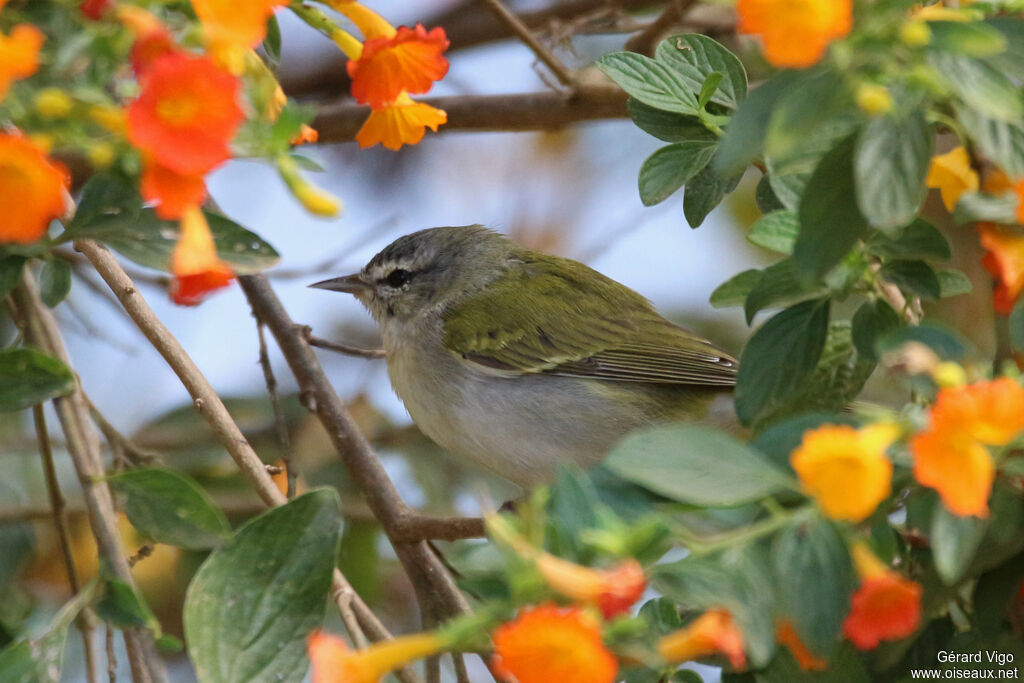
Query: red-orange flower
{"points": [[549, 643], [410, 61], [187, 113], [613, 591], [19, 55], [713, 632], [991, 412], [32, 190], [334, 662], [171, 192], [786, 635], [197, 268], [95, 9], [1004, 260], [886, 606], [795, 33], [231, 27], [152, 39], [403, 123]]}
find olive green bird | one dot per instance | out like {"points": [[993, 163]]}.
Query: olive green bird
{"points": [[520, 361]]}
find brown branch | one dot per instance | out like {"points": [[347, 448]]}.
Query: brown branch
{"points": [[86, 620], [337, 347], [645, 41], [523, 32], [520, 112], [275, 405], [84, 449], [438, 595], [217, 416]]}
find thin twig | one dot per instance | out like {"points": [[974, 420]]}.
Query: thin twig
{"points": [[459, 663], [523, 32], [275, 405], [84, 448], [217, 416], [86, 620], [322, 343], [111, 657], [644, 41], [119, 443]]}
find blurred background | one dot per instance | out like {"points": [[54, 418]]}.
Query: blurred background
{"points": [[571, 192]]}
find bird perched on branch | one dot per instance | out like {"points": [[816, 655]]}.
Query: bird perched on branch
{"points": [[520, 361]]}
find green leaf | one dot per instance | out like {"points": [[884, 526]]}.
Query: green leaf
{"points": [[789, 187], [913, 277], [704, 192], [28, 377], [272, 43], [11, 266], [170, 508], [650, 82], [123, 606], [805, 111], [973, 39], [890, 164], [776, 231], [734, 291], [919, 240], [830, 221], [670, 167], [779, 286], [714, 79], [816, 580], [1002, 142], [780, 439], [873, 320], [744, 138], [694, 58], [54, 281], [1010, 61], [838, 377], [666, 125], [1015, 324], [979, 84], [150, 241], [696, 465], [254, 601], [954, 541], [779, 357], [946, 343], [974, 206], [105, 193], [767, 200], [953, 282]]}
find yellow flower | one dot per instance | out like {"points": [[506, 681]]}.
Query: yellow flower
{"points": [[403, 122], [951, 174], [845, 469], [334, 662]]}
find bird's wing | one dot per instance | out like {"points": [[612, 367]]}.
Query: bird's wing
{"points": [[560, 317]]}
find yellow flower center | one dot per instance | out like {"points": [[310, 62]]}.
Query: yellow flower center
{"points": [[178, 111]]}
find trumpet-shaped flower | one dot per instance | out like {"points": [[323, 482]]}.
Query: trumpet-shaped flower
{"points": [[549, 643], [32, 190], [845, 469], [991, 412], [231, 28], [713, 632], [795, 33], [1004, 260], [613, 591], [172, 193], [951, 174], [19, 55], [402, 123], [786, 635], [152, 39], [886, 606], [334, 662], [410, 61], [186, 114], [196, 267]]}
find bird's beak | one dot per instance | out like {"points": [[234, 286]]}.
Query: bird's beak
{"points": [[351, 284]]}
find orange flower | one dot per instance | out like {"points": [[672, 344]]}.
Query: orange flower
{"points": [[334, 662], [306, 135], [845, 469], [952, 175], [991, 412], [549, 643], [786, 635], [172, 192], [197, 268], [613, 590], [232, 27], [885, 607], [402, 123], [795, 32], [1004, 260], [410, 61], [712, 632], [32, 190], [152, 39], [959, 468], [19, 55], [186, 114]]}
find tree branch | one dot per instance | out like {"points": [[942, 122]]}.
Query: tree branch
{"points": [[527, 111], [645, 41], [523, 32]]}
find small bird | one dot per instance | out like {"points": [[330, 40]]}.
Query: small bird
{"points": [[520, 361]]}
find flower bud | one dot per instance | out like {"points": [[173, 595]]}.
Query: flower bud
{"points": [[109, 117], [53, 103], [915, 33], [873, 99]]}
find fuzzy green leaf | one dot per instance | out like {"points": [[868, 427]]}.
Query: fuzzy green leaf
{"points": [[651, 82], [704, 192], [28, 377], [776, 231], [666, 125], [694, 58], [670, 167]]}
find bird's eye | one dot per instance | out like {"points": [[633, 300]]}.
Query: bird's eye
{"points": [[398, 277]]}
